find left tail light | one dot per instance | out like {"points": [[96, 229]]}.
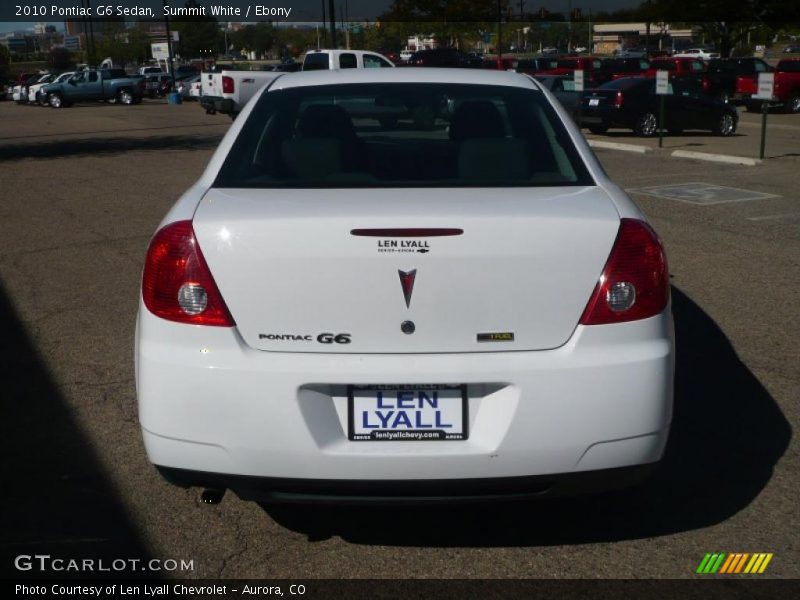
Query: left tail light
{"points": [[227, 85], [618, 99], [177, 284]]}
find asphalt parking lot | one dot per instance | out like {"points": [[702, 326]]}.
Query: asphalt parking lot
{"points": [[84, 188]]}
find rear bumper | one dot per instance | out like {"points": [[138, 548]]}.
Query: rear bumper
{"points": [[333, 491], [209, 403], [218, 104]]}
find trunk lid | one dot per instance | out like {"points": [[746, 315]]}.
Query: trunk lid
{"points": [[294, 276]]}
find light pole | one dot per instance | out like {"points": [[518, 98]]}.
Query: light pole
{"points": [[332, 12], [169, 44]]}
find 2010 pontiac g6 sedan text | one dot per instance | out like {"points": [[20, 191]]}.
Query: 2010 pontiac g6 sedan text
{"points": [[404, 285]]}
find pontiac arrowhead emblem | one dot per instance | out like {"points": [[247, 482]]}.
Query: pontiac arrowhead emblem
{"points": [[407, 281]]}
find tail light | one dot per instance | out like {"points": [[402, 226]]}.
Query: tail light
{"points": [[635, 281], [706, 84], [227, 84], [618, 100], [177, 284]]}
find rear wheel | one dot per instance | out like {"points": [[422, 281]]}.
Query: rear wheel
{"points": [[726, 126], [43, 99], [598, 129], [646, 125], [793, 104], [125, 97], [56, 101]]}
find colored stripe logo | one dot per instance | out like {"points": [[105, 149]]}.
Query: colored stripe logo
{"points": [[736, 562]]}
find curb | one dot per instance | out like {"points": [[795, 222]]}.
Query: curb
{"points": [[618, 146], [722, 158]]}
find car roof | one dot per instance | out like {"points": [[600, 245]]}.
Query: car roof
{"points": [[403, 75], [340, 51]]}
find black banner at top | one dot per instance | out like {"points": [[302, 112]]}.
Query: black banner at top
{"points": [[318, 11]]}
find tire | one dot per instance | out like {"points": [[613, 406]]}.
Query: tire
{"points": [[44, 100], [56, 101], [726, 126], [125, 97], [597, 129], [792, 104], [646, 125]]}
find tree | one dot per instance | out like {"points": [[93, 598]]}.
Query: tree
{"points": [[726, 23], [258, 38], [451, 21], [59, 58], [4, 58], [198, 35]]}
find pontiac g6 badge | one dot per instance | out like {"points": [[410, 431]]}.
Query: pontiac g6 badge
{"points": [[407, 281]]}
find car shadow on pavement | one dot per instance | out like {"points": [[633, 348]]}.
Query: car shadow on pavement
{"points": [[57, 500], [727, 435], [106, 146]]}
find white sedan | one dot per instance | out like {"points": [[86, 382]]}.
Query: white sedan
{"points": [[404, 284], [696, 53], [33, 91]]}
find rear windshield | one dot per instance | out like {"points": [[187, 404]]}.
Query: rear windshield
{"points": [[318, 61], [624, 83], [402, 135], [664, 65]]}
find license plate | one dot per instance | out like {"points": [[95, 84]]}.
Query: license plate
{"points": [[392, 413], [594, 101]]}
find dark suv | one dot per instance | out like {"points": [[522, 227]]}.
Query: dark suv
{"points": [[443, 57]]}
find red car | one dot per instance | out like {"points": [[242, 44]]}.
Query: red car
{"points": [[786, 91], [569, 64], [681, 68]]}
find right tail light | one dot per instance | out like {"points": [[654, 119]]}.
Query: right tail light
{"points": [[227, 85], [635, 281]]}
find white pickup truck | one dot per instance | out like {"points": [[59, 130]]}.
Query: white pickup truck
{"points": [[228, 91]]}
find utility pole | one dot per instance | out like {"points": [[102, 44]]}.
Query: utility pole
{"points": [[169, 44], [521, 10], [324, 18], [569, 25], [500, 34], [332, 12]]}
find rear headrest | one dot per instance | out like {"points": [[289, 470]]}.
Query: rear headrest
{"points": [[496, 160], [476, 119], [312, 158], [326, 121]]}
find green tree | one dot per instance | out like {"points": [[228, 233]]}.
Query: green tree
{"points": [[258, 38], [199, 36], [59, 58], [726, 23], [4, 59]]}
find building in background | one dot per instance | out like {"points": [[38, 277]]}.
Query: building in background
{"points": [[608, 38]]}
